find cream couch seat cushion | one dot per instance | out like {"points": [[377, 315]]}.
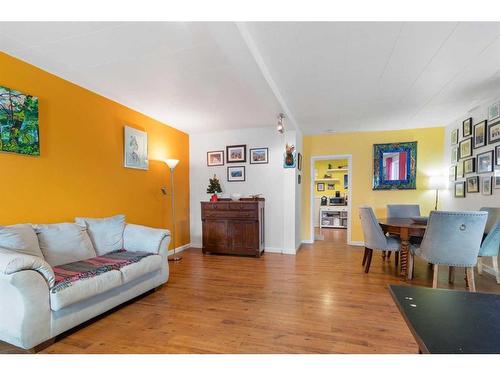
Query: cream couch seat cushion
{"points": [[106, 234], [20, 238], [82, 289], [64, 243], [146, 265]]}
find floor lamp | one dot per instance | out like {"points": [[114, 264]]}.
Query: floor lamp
{"points": [[436, 183], [172, 163]]}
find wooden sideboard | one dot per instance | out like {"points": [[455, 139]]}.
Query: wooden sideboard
{"points": [[233, 227]]}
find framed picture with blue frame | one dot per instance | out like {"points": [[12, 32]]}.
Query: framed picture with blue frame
{"points": [[395, 166]]}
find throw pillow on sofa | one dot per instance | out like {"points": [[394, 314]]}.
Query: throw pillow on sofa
{"points": [[64, 243], [21, 238], [106, 234]]}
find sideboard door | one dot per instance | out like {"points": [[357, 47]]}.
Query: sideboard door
{"points": [[215, 235], [244, 237]]}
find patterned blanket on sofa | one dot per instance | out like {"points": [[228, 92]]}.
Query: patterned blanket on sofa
{"points": [[84, 269]]}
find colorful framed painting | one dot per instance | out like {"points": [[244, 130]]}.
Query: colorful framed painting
{"points": [[215, 158], [236, 174], [259, 155], [480, 134], [472, 184], [454, 136], [494, 111], [136, 149], [236, 154], [486, 188], [469, 165], [467, 127], [395, 166], [494, 133], [484, 162], [19, 131], [459, 189], [465, 146]]}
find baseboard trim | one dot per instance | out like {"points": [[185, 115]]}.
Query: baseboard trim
{"points": [[356, 243], [308, 242], [179, 249]]}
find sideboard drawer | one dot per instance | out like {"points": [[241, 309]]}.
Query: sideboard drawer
{"points": [[232, 214], [216, 206]]}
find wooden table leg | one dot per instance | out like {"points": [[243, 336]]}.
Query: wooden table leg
{"points": [[405, 244]]}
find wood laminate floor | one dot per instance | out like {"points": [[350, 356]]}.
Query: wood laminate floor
{"points": [[319, 301]]}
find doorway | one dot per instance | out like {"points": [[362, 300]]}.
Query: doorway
{"points": [[330, 190]]}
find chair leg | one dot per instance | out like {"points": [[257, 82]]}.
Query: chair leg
{"points": [[494, 261], [479, 266], [451, 274], [470, 279], [383, 254], [364, 256], [411, 259], [368, 260], [396, 259], [389, 255], [435, 277]]}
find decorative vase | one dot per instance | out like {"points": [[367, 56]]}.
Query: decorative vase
{"points": [[214, 198]]}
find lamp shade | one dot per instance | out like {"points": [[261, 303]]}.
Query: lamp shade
{"points": [[172, 163], [436, 183]]}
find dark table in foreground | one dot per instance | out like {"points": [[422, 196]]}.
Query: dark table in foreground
{"points": [[450, 321]]}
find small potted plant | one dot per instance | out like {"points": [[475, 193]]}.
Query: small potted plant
{"points": [[214, 188]]}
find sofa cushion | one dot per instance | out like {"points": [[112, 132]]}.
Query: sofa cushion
{"points": [[106, 234], [20, 238], [85, 288], [64, 243], [145, 265]]}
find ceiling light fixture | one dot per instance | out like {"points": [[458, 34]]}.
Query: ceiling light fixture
{"points": [[281, 126]]}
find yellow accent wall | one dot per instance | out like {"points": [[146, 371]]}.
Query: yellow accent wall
{"points": [[322, 167], [80, 171], [430, 151]]}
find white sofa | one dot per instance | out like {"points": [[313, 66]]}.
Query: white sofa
{"points": [[31, 313]]}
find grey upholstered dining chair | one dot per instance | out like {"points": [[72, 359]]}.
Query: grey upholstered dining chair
{"points": [[403, 210], [491, 243], [452, 239], [375, 238]]}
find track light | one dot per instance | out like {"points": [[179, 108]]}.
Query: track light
{"points": [[281, 126]]}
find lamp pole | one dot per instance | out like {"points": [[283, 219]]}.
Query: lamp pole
{"points": [[172, 163]]}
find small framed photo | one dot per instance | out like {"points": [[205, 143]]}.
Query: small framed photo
{"points": [[459, 189], [454, 136], [320, 186], [235, 174], [467, 127], [259, 155], [215, 158], [472, 184], [497, 155], [496, 179], [494, 111], [484, 162], [486, 185], [454, 154], [494, 133], [299, 161], [136, 149], [469, 165], [480, 134], [465, 148], [460, 169], [331, 186], [236, 154], [453, 173]]}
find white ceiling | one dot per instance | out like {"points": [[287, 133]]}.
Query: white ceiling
{"points": [[342, 76]]}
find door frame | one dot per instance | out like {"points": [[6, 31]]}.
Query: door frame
{"points": [[349, 188]]}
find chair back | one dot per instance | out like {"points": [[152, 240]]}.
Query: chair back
{"points": [[372, 232], [403, 210], [493, 216], [453, 238]]}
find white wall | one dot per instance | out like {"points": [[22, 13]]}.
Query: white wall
{"points": [[271, 180], [472, 201]]}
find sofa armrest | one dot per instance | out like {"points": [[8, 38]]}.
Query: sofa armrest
{"points": [[24, 309], [12, 262], [145, 239]]}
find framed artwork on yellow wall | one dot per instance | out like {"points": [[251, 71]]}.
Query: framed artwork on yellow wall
{"points": [[136, 149]]}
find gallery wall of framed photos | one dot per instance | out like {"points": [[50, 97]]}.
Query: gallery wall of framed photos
{"points": [[474, 157]]}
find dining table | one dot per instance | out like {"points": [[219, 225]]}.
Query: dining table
{"points": [[404, 228]]}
